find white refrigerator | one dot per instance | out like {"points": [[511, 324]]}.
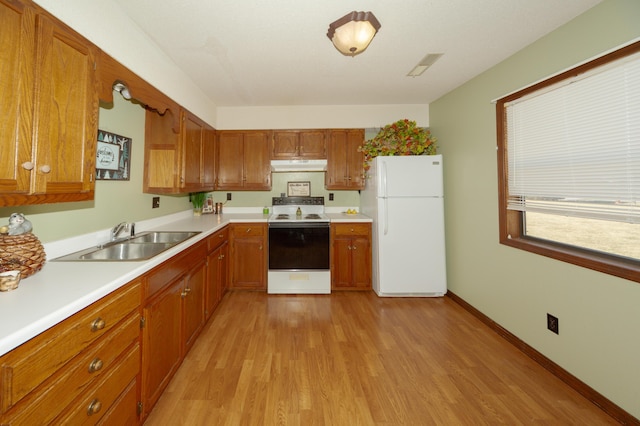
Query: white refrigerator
{"points": [[404, 197]]}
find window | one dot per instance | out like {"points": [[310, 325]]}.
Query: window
{"points": [[569, 165]]}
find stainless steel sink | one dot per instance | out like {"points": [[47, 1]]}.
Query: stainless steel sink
{"points": [[141, 247], [163, 237]]}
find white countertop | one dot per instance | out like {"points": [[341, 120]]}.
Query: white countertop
{"points": [[60, 289]]}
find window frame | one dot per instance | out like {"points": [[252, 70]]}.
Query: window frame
{"points": [[511, 222]]}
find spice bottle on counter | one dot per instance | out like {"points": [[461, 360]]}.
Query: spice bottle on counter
{"points": [[298, 212]]}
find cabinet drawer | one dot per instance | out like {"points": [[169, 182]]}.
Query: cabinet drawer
{"points": [[45, 403], [352, 228], [217, 239], [95, 402], [124, 410], [178, 265], [248, 230], [24, 368]]}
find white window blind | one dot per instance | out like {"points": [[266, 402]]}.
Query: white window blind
{"points": [[574, 149]]}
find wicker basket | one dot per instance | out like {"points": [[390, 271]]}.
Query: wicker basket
{"points": [[22, 253]]}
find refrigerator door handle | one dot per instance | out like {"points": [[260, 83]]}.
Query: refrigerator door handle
{"points": [[385, 216], [383, 175]]}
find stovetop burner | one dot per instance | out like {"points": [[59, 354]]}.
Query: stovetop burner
{"points": [[285, 208]]}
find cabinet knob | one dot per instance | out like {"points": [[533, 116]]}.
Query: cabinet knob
{"points": [[248, 230], [45, 169], [28, 165], [183, 294], [94, 407], [95, 365], [98, 324]]}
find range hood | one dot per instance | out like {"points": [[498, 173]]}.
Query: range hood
{"points": [[298, 165]]}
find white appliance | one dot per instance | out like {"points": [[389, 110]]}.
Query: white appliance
{"points": [[404, 196], [298, 247]]}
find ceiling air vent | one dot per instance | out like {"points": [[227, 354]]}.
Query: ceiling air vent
{"points": [[425, 63]]}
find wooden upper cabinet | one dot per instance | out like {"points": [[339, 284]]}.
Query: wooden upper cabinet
{"points": [[49, 109], [298, 144], [345, 168], [176, 163], [17, 47], [243, 161], [198, 155]]}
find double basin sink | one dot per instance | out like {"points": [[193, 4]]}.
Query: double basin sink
{"points": [[139, 247]]}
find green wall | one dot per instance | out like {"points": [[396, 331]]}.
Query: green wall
{"points": [[115, 201], [599, 314]]}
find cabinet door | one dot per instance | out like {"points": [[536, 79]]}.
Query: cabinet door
{"points": [[248, 256], [192, 150], [257, 163], [16, 96], [312, 144], [197, 155], [66, 112], [361, 262], [230, 160], [341, 263], [209, 159], [161, 153], [223, 283], [337, 175], [344, 163], [284, 145], [355, 139], [211, 297], [193, 305], [161, 348]]}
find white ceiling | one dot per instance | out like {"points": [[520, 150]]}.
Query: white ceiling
{"points": [[276, 52]]}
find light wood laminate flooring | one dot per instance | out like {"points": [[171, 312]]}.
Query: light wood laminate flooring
{"points": [[351, 358]]}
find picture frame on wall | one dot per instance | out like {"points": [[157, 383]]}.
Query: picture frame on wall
{"points": [[113, 156], [299, 189]]}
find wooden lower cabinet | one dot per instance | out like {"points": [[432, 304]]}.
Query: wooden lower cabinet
{"points": [[351, 256], [173, 316], [217, 261], [248, 254], [90, 358]]}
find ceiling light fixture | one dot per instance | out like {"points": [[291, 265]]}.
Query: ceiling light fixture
{"points": [[425, 63], [352, 33], [122, 89]]}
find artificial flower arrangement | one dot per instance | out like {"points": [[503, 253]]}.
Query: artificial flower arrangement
{"points": [[403, 137]]}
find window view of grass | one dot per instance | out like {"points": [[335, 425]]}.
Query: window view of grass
{"points": [[622, 239]]}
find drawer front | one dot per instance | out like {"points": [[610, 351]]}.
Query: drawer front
{"points": [[46, 403], [217, 239], [125, 410], [24, 368], [164, 274], [248, 230], [352, 229], [96, 401]]}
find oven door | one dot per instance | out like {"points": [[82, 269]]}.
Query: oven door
{"points": [[298, 246]]}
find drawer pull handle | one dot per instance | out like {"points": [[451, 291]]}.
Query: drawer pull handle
{"points": [[95, 365], [248, 230], [94, 407], [98, 324]]}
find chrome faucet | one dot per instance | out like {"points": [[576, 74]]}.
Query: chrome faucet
{"points": [[117, 229]]}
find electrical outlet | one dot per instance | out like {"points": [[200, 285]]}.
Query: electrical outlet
{"points": [[331, 196], [552, 323], [228, 196], [155, 202]]}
